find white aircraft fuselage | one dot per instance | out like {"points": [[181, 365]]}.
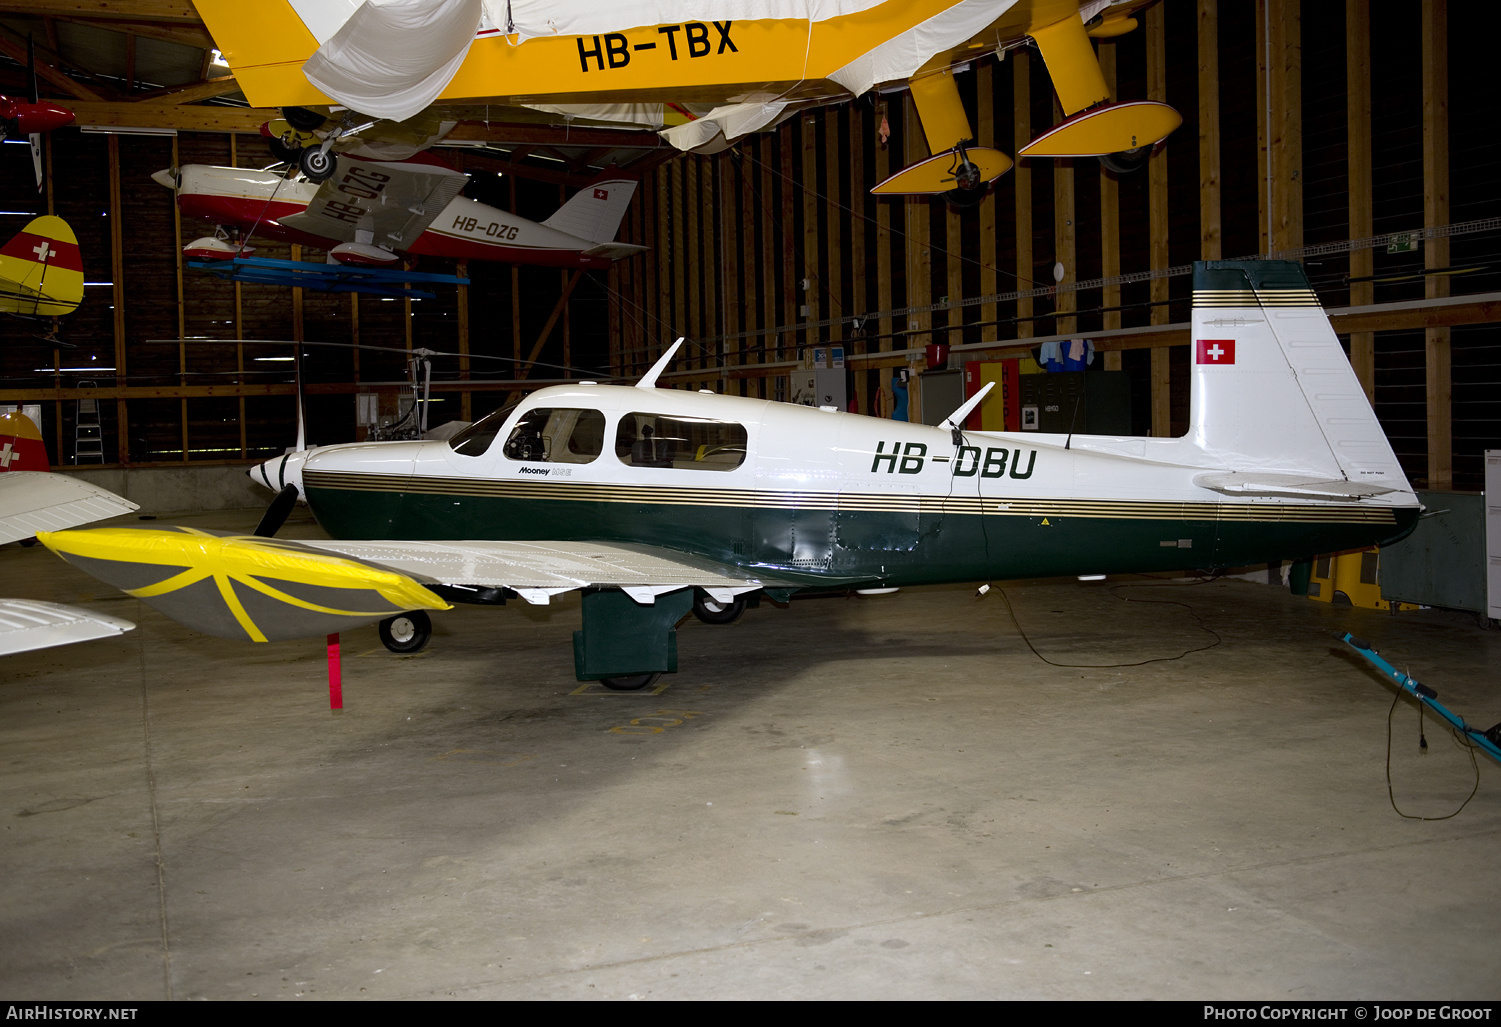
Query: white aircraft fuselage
{"points": [[1284, 460], [465, 229]]}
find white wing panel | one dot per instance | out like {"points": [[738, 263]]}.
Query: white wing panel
{"points": [[33, 501], [525, 566], [392, 200], [26, 624]]}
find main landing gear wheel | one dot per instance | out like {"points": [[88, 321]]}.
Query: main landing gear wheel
{"points": [[1124, 162], [406, 632], [631, 683], [712, 611], [287, 153], [317, 165]]}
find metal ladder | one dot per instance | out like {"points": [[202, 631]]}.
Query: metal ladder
{"points": [[88, 434]]}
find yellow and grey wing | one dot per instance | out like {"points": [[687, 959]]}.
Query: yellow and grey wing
{"points": [[242, 586]]}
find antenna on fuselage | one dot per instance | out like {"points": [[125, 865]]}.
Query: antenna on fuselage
{"points": [[955, 420], [649, 379]]}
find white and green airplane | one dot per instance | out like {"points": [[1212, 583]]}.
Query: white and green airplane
{"points": [[657, 502]]}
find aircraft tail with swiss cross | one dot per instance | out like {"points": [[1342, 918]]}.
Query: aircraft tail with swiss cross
{"points": [[595, 211], [41, 273], [21, 446], [1275, 401]]}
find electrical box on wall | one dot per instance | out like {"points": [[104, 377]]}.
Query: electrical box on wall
{"points": [[1085, 402]]}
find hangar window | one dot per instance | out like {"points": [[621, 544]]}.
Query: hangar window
{"points": [[559, 435], [687, 443]]}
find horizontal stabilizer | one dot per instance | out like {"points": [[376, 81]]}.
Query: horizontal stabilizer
{"points": [[614, 250], [1255, 483], [26, 624]]}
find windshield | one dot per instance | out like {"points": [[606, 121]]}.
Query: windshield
{"points": [[475, 439]]}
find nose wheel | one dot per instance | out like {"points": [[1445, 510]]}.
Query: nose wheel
{"points": [[406, 632]]}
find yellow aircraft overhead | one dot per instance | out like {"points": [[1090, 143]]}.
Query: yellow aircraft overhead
{"points": [[754, 62]]}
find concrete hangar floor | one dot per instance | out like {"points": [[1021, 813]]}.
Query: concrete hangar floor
{"points": [[888, 797]]}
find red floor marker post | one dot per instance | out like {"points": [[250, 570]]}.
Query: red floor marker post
{"points": [[335, 675]]}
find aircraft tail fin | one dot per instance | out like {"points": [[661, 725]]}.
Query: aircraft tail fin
{"points": [[21, 446], [41, 272], [595, 211], [1274, 398]]}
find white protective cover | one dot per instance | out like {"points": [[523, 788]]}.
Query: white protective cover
{"points": [[33, 501], [27, 624], [391, 58]]}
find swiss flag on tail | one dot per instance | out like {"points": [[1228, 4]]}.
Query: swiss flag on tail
{"points": [[1214, 351], [601, 194]]}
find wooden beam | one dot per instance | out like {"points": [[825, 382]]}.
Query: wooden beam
{"points": [[525, 368], [1157, 221], [916, 241], [172, 11], [1435, 44], [787, 137], [1285, 154], [810, 287], [183, 118], [1210, 230], [831, 293], [47, 73], [1065, 239], [117, 268], [197, 91], [708, 266], [985, 136], [1021, 177], [883, 234], [1110, 225], [1358, 149], [181, 34], [858, 206]]}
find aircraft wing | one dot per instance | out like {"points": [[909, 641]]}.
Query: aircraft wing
{"points": [[394, 201], [538, 570], [32, 501], [268, 589], [27, 624]]}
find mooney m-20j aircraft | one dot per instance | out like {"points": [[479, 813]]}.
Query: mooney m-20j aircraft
{"points": [[369, 210], [654, 501], [736, 66]]}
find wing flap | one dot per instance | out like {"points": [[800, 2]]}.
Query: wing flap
{"points": [[33, 501], [557, 566]]}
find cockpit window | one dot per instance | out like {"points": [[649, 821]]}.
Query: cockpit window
{"points": [[687, 443], [559, 435], [476, 438]]}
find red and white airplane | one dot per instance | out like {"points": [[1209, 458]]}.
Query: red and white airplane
{"points": [[370, 211]]}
